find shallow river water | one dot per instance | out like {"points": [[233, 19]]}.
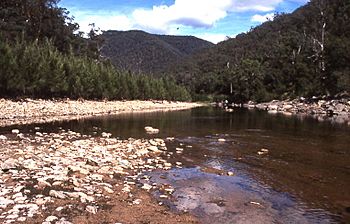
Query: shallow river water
{"points": [[303, 178]]}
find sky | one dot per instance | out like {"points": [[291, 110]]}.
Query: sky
{"points": [[212, 20]]}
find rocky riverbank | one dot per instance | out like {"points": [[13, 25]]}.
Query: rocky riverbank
{"points": [[39, 111], [67, 177], [334, 110]]}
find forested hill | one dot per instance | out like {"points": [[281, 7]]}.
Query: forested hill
{"points": [[304, 53], [139, 51], [43, 55]]}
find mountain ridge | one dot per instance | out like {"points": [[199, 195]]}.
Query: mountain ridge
{"points": [[139, 51]]}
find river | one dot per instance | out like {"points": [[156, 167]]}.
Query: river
{"points": [[302, 175]]}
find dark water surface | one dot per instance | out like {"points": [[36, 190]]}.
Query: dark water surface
{"points": [[304, 177]]}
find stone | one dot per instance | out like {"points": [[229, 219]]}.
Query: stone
{"points": [[72, 194], [39, 134], [43, 183], [146, 187], [222, 140], [4, 202], [136, 202], [85, 198], [91, 209], [264, 150], [104, 170], [21, 219], [230, 173], [167, 164], [9, 164], [108, 190], [288, 107], [3, 138], [106, 135], [12, 216], [151, 130], [57, 194], [15, 131], [79, 169], [153, 142], [153, 148], [272, 107], [51, 218], [40, 201]]}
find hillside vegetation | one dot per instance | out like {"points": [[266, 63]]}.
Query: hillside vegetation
{"points": [[42, 55], [304, 53], [139, 51]]}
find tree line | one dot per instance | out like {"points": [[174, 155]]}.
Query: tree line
{"points": [[43, 55], [305, 53]]}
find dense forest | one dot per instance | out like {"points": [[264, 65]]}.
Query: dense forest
{"points": [[305, 53], [43, 55], [139, 51]]}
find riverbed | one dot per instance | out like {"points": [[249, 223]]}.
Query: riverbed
{"points": [[240, 167]]}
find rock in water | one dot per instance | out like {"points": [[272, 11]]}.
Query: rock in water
{"points": [[150, 130]]}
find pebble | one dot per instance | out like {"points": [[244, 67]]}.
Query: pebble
{"points": [[72, 167], [151, 130], [91, 209], [15, 131], [146, 187], [153, 148], [108, 190], [57, 194], [9, 164], [137, 202], [51, 218]]}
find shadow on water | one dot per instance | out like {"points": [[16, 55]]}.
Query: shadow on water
{"points": [[304, 177]]}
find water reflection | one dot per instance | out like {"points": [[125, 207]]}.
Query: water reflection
{"points": [[305, 172]]}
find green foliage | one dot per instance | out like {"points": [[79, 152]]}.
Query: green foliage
{"points": [[139, 51], [40, 70], [304, 53]]}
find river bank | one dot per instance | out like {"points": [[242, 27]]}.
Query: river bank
{"points": [[334, 110], [67, 177], [41, 111]]}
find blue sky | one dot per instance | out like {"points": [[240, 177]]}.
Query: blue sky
{"points": [[212, 20]]}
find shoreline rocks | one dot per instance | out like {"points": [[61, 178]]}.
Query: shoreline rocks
{"points": [[41, 175], [41, 111], [336, 110]]}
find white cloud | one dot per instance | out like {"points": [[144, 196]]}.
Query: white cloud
{"points": [[262, 18], [254, 5], [193, 13], [103, 20], [163, 19]]}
